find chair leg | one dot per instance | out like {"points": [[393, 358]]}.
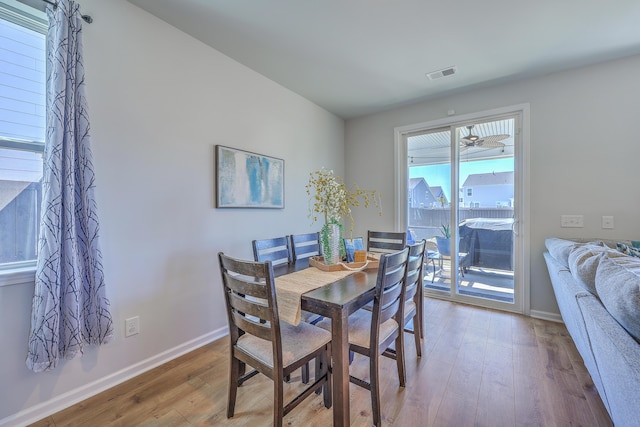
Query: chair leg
{"points": [[278, 401], [234, 374], [305, 373], [375, 389], [420, 308], [320, 366], [417, 332], [402, 375]]}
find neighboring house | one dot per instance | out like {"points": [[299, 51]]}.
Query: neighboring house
{"points": [[20, 191], [423, 196], [488, 190], [419, 194], [438, 194]]}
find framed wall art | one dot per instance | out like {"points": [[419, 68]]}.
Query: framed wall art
{"points": [[248, 180]]}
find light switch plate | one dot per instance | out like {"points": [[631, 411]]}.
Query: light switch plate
{"points": [[607, 222]]}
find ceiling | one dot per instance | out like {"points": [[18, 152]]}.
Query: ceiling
{"points": [[357, 57], [434, 146]]}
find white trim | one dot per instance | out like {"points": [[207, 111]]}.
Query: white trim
{"points": [[18, 276], [24, 15], [522, 300], [552, 317], [400, 158], [524, 223], [79, 394]]}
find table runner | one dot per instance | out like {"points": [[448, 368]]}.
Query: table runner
{"points": [[290, 287]]}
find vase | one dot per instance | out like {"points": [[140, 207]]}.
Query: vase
{"points": [[330, 243]]}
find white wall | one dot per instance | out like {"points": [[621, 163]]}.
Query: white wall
{"points": [[159, 103], [585, 153]]}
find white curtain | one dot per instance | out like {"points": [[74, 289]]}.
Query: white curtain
{"points": [[70, 308]]}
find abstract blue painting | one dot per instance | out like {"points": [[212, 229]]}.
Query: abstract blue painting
{"points": [[248, 180]]}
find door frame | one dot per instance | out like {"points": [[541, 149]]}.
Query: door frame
{"points": [[522, 187]]}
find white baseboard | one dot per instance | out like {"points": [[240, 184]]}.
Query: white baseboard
{"points": [[553, 317], [58, 403]]}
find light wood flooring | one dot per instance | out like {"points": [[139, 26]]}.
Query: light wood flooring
{"points": [[479, 368]]}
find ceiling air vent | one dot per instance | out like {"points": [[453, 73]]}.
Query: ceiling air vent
{"points": [[449, 71]]}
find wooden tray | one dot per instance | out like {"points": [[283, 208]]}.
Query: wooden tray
{"points": [[318, 262]]}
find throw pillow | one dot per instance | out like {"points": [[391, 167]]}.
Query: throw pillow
{"points": [[619, 291], [628, 250]]}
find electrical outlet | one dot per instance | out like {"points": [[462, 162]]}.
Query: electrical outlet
{"points": [[607, 222], [571, 221], [132, 326]]}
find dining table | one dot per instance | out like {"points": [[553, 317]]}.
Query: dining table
{"points": [[336, 301]]}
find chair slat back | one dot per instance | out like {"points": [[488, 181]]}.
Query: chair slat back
{"points": [[386, 241], [389, 294], [415, 264], [276, 250], [250, 297], [304, 245]]}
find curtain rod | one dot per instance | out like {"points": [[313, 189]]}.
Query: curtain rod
{"points": [[88, 19]]}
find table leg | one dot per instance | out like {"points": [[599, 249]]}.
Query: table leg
{"points": [[340, 350]]}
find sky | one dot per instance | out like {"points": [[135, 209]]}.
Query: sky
{"points": [[440, 175]]}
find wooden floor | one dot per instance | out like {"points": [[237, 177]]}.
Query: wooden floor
{"points": [[479, 368]]}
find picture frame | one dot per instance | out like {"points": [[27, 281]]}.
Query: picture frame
{"points": [[352, 245], [248, 180]]}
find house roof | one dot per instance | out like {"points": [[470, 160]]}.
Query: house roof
{"points": [[491, 178], [413, 182], [436, 191]]}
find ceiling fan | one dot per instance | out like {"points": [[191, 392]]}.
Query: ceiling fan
{"points": [[490, 141]]}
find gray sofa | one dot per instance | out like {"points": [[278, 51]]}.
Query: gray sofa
{"points": [[597, 288]]}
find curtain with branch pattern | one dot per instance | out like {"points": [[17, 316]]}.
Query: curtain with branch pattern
{"points": [[70, 308]]}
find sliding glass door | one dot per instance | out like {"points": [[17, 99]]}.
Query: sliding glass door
{"points": [[463, 199]]}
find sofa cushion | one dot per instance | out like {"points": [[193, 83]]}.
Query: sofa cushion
{"points": [[618, 286], [630, 263], [583, 262], [560, 249]]}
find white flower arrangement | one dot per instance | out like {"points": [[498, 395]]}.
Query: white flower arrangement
{"points": [[330, 199]]}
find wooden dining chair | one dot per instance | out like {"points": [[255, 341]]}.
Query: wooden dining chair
{"points": [[372, 332], [414, 295], [276, 250], [386, 241], [260, 340], [304, 245]]}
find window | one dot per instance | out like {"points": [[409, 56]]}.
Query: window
{"points": [[469, 192], [22, 131]]}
